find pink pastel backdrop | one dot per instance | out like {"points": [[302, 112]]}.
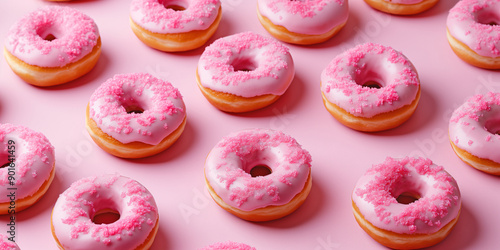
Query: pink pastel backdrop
{"points": [[189, 219]]}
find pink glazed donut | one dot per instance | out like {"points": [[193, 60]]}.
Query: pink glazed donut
{"points": [[135, 115], [28, 167], [175, 25], [370, 88], [473, 32], [53, 45], [73, 215], [406, 203], [228, 245], [402, 7], [244, 72], [6, 244], [258, 174], [475, 132], [303, 22]]}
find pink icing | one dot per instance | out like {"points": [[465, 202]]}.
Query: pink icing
{"points": [[342, 80], [268, 63], [475, 126], [154, 15], [163, 107], [76, 35], [75, 208], [33, 160], [469, 22], [228, 165], [228, 245], [312, 17], [6, 244], [376, 192]]}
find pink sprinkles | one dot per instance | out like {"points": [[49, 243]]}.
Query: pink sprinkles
{"points": [[247, 144], [389, 177], [126, 90], [475, 126], [155, 11], [77, 33], [84, 195], [481, 36], [347, 71], [37, 147], [304, 8], [475, 107], [218, 56], [6, 244], [228, 245]]}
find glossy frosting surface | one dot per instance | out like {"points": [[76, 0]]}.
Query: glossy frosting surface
{"points": [[75, 34], [376, 192], [228, 166], [156, 15], [113, 106], [312, 17], [33, 157], [6, 244], [475, 23], [325, 220], [228, 245], [75, 208], [246, 64], [342, 80], [475, 126]]}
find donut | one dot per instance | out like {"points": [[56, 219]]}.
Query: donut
{"points": [[28, 167], [228, 245], [53, 45], [474, 131], [73, 219], [473, 32], [402, 7], [135, 115], [244, 72], [406, 203], [370, 88], [175, 25], [303, 22], [6, 244], [258, 174]]}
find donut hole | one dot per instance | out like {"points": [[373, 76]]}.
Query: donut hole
{"points": [[260, 170], [493, 126], [408, 197], [487, 17], [408, 188], [175, 5], [133, 109], [50, 38], [368, 78], [104, 211], [132, 103], [372, 84], [244, 64], [48, 32], [105, 216], [5, 160]]}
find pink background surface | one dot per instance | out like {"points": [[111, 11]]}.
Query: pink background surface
{"points": [[189, 219]]}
